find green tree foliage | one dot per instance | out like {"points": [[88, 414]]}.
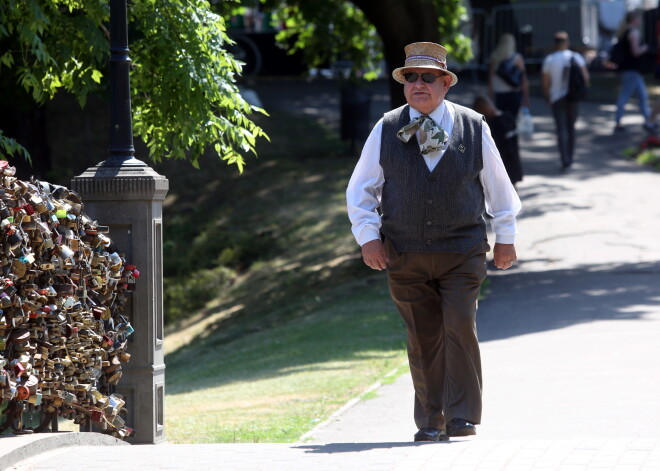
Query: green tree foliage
{"points": [[331, 30], [365, 32], [184, 96]]}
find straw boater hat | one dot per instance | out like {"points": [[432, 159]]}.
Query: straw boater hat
{"points": [[424, 56]]}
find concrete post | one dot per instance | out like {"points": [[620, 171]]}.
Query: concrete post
{"points": [[128, 196]]}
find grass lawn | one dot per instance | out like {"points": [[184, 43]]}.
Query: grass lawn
{"points": [[278, 382]]}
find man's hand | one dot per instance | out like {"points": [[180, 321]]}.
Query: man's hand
{"points": [[373, 254], [504, 255]]}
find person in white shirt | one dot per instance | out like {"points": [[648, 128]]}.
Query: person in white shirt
{"points": [[416, 200], [554, 82]]}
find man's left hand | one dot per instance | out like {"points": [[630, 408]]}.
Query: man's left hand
{"points": [[504, 255]]}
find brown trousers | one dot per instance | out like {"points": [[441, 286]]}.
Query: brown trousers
{"points": [[436, 294]]}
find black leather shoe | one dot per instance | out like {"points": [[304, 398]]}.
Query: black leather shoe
{"points": [[460, 428], [430, 434]]}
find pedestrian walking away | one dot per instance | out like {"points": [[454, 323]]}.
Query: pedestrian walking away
{"points": [[416, 200], [554, 82], [507, 77], [630, 67]]}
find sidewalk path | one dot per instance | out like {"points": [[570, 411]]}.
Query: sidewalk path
{"points": [[569, 337]]}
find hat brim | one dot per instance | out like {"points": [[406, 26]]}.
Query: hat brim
{"points": [[398, 73]]}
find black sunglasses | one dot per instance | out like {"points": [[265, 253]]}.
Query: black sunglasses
{"points": [[427, 77]]}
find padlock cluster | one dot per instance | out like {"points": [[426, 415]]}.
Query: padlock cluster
{"points": [[63, 290]]}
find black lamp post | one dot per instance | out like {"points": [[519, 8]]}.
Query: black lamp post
{"points": [[120, 148], [127, 195]]}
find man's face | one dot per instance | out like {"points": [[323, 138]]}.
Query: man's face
{"points": [[425, 97]]}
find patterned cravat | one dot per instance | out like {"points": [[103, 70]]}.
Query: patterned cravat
{"points": [[431, 136]]}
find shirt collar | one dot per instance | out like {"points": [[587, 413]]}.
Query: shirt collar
{"points": [[437, 114]]}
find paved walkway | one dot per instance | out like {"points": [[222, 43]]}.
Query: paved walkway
{"points": [[569, 337]]}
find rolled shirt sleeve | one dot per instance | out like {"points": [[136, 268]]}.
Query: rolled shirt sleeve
{"points": [[364, 190]]}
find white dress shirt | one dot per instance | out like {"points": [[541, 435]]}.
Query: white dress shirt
{"points": [[364, 189]]}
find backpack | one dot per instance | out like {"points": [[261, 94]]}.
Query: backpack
{"points": [[577, 86], [617, 53], [507, 71]]}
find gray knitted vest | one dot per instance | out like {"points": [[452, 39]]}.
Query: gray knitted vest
{"points": [[438, 211]]}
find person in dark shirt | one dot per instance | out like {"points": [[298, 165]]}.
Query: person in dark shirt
{"points": [[632, 81], [504, 132]]}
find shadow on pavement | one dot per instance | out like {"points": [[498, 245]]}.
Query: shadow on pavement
{"points": [[357, 447], [527, 302]]}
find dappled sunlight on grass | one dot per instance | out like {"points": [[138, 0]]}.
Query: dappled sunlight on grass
{"points": [[194, 327], [259, 409], [303, 369]]}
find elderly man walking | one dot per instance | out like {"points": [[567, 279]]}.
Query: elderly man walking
{"points": [[428, 172]]}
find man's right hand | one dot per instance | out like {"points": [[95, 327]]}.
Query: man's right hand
{"points": [[373, 254]]}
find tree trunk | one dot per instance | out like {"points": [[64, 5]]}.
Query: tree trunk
{"points": [[399, 24]]}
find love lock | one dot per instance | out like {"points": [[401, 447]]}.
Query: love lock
{"points": [[97, 415], [19, 268], [5, 212]]}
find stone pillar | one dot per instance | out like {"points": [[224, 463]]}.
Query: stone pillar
{"points": [[128, 195]]}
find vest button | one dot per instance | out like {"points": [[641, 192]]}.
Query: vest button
{"points": [[430, 201], [428, 242], [429, 223]]}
